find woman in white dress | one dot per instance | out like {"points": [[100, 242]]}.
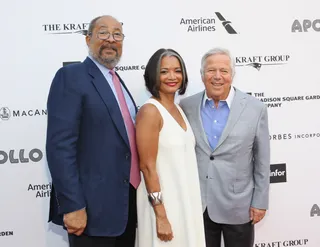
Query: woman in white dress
{"points": [[168, 198]]}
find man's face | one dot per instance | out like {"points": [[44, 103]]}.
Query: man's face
{"points": [[107, 52], [217, 76]]}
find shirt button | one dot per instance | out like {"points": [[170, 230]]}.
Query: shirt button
{"points": [[215, 121], [215, 137]]}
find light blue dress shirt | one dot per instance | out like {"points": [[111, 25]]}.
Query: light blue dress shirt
{"points": [[214, 119], [105, 71]]}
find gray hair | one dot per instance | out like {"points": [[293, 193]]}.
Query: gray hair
{"points": [[106, 62], [215, 51], [152, 71], [170, 53]]}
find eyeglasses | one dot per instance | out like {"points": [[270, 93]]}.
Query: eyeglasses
{"points": [[104, 35]]}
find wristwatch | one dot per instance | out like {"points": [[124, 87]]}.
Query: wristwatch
{"points": [[155, 198]]}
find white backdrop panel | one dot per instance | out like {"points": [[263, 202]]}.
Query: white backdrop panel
{"points": [[34, 48]]}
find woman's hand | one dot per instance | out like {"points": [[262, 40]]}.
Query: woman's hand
{"points": [[164, 230]]}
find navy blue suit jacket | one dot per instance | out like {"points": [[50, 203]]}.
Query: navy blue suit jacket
{"points": [[88, 150]]}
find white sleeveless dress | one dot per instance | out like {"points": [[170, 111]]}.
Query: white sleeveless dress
{"points": [[178, 174]]}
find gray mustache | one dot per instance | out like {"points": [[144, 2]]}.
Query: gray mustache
{"points": [[109, 47]]}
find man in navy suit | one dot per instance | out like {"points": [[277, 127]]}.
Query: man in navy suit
{"points": [[91, 148]]}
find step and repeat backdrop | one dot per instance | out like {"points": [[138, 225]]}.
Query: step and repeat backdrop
{"points": [[276, 45]]}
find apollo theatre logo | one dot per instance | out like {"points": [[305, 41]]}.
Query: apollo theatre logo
{"points": [[5, 113], [305, 26], [315, 211], [278, 173], [226, 24], [20, 156]]}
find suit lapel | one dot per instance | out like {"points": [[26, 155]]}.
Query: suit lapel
{"points": [[107, 96], [237, 106], [203, 140]]}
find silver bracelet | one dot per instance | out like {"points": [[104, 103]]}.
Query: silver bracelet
{"points": [[155, 198]]}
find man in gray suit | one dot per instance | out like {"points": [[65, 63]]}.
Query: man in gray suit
{"points": [[233, 153]]}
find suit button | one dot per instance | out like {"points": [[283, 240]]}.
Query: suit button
{"points": [[211, 157], [126, 181], [127, 156]]}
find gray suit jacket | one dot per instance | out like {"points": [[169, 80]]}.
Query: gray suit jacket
{"points": [[237, 175]]}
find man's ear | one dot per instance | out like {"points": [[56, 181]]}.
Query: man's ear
{"points": [[201, 74], [88, 39]]}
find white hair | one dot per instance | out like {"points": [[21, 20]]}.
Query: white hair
{"points": [[215, 51]]}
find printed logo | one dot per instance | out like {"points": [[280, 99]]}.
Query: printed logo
{"points": [[6, 233], [226, 24], [130, 67], [290, 136], [279, 101], [278, 173], [257, 62], [41, 190], [117, 68], [305, 26], [66, 28], [20, 156], [286, 243], [207, 24], [5, 113], [315, 211]]}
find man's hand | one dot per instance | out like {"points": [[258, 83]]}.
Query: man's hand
{"points": [[76, 222], [256, 214]]}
